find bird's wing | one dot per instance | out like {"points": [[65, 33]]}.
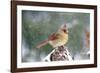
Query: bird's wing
{"points": [[53, 36]]}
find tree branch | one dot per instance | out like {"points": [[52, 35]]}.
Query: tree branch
{"points": [[58, 54]]}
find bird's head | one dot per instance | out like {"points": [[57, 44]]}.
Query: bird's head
{"points": [[64, 28]]}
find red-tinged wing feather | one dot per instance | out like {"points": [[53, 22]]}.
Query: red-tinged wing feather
{"points": [[53, 37]]}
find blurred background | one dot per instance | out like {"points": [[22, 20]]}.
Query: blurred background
{"points": [[38, 25]]}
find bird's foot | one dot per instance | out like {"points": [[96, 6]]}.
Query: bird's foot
{"points": [[61, 46]]}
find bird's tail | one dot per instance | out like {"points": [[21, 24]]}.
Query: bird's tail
{"points": [[43, 43]]}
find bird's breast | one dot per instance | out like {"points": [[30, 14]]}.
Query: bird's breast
{"points": [[62, 39]]}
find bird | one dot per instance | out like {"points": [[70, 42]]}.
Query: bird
{"points": [[56, 39]]}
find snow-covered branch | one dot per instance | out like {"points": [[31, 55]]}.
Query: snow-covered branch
{"points": [[58, 54]]}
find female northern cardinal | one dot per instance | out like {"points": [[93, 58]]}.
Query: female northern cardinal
{"points": [[57, 39]]}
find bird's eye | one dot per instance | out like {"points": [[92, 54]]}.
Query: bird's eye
{"points": [[64, 30]]}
